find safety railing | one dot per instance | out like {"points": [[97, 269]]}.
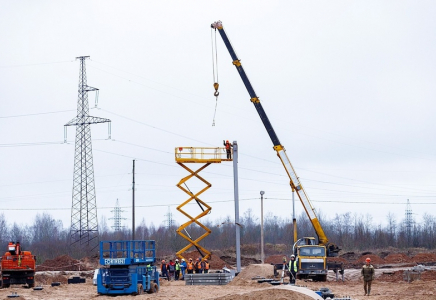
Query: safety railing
{"points": [[202, 154]]}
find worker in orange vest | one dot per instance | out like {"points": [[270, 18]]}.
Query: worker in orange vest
{"points": [[190, 266], [206, 266], [228, 149], [164, 268], [198, 266]]}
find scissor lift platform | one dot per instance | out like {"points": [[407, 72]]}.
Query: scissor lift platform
{"points": [[201, 155], [206, 156]]}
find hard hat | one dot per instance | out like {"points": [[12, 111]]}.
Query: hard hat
{"points": [[183, 259], [368, 259], [177, 259], [292, 256]]}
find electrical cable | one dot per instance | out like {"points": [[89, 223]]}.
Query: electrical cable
{"points": [[37, 114], [37, 64], [218, 201]]}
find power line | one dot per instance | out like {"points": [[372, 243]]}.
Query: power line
{"points": [[242, 178], [221, 201], [30, 144], [36, 114], [155, 127], [37, 64]]}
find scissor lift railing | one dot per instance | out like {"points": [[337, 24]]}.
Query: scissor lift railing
{"points": [[206, 156]]}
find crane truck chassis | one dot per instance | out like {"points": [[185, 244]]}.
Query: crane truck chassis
{"points": [[312, 256], [17, 267]]}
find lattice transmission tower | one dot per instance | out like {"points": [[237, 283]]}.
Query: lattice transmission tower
{"points": [[169, 221], [409, 222], [117, 217], [84, 228]]}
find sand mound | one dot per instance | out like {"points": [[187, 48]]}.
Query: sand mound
{"points": [[253, 271]]}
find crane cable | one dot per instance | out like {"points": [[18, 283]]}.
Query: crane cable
{"points": [[215, 72]]}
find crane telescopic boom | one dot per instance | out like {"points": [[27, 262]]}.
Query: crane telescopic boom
{"points": [[278, 147]]}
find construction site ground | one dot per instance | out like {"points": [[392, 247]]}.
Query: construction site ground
{"points": [[389, 282]]}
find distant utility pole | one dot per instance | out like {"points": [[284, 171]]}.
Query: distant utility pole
{"points": [[117, 217], [84, 228], [409, 223]]}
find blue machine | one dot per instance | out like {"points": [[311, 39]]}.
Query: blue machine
{"points": [[128, 268]]}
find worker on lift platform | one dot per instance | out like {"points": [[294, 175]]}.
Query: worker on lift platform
{"points": [[228, 149]]}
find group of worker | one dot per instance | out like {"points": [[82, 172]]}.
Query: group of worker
{"points": [[199, 266], [176, 270]]}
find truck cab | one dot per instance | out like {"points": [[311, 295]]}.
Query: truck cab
{"points": [[311, 258]]}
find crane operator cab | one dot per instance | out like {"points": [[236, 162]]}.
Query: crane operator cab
{"points": [[11, 248]]}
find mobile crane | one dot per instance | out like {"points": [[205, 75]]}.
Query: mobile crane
{"points": [[312, 257]]}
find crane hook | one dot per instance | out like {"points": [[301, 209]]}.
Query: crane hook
{"points": [[216, 86]]}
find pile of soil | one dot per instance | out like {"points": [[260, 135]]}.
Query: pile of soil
{"points": [[337, 260], [276, 259], [46, 279], [63, 263], [396, 258], [375, 260], [350, 256], [424, 258]]}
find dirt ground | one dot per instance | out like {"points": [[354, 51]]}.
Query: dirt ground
{"points": [[389, 283]]}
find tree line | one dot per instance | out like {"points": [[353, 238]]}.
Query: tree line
{"points": [[47, 237]]}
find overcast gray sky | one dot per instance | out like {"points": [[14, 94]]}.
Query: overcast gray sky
{"points": [[349, 87]]}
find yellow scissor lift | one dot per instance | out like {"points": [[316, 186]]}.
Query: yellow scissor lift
{"points": [[206, 156]]}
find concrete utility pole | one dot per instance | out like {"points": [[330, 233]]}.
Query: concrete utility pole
{"points": [[236, 193], [262, 254], [294, 219], [133, 202]]}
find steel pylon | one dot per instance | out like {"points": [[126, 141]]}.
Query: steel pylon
{"points": [[84, 227], [196, 155]]}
